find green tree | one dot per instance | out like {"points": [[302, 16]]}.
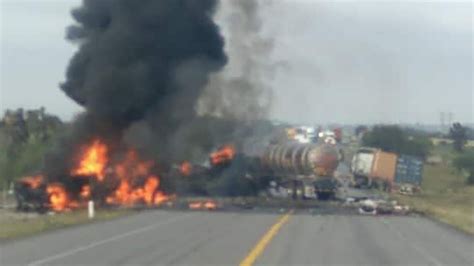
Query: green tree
{"points": [[465, 162], [394, 139], [24, 140], [458, 134]]}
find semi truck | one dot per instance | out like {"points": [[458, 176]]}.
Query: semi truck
{"points": [[304, 164], [374, 168], [409, 174], [361, 166]]}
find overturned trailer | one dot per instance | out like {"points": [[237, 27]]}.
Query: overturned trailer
{"points": [[312, 164]]}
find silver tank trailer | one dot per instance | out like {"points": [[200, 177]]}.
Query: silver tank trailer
{"points": [[312, 164], [309, 160]]}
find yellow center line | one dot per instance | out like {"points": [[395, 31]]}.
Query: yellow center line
{"points": [[264, 241]]}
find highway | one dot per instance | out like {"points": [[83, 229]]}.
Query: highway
{"points": [[161, 237]]}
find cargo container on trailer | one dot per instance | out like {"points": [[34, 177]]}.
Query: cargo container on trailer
{"points": [[383, 168], [409, 173]]}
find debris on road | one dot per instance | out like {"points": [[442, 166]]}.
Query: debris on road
{"points": [[376, 206]]}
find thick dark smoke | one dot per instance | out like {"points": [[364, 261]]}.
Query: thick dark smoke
{"points": [[242, 92], [149, 74], [131, 53], [234, 100], [139, 62]]}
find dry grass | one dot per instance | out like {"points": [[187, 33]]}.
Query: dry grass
{"points": [[15, 227], [445, 196]]}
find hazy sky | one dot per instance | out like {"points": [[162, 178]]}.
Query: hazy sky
{"points": [[346, 62]]}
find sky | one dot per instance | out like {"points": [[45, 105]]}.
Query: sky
{"points": [[337, 61]]}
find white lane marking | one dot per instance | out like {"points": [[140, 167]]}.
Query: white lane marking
{"points": [[104, 241], [416, 247]]}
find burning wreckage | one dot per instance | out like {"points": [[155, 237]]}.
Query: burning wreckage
{"points": [[127, 181], [142, 86], [139, 82], [131, 181]]}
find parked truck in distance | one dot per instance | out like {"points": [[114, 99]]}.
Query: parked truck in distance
{"points": [[361, 166], [383, 169], [409, 174], [373, 167]]}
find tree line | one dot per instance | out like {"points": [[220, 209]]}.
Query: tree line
{"points": [[395, 139], [25, 136]]}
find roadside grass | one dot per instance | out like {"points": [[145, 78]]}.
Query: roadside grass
{"points": [[445, 195], [11, 228]]}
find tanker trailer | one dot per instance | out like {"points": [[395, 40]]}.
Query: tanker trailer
{"points": [[313, 163]]}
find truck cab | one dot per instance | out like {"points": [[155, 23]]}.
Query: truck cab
{"points": [[361, 166]]}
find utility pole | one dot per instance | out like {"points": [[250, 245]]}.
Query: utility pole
{"points": [[441, 120]]}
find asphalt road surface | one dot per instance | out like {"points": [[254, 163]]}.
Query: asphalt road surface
{"points": [[228, 238]]}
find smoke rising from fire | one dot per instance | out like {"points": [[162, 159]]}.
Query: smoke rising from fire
{"points": [[151, 76], [131, 53], [140, 67], [242, 90]]}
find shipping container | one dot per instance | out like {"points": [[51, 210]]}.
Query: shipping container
{"points": [[409, 170], [371, 166], [384, 166]]}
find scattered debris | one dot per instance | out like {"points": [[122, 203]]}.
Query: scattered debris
{"points": [[366, 205], [408, 189]]}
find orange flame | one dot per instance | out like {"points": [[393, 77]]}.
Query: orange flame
{"points": [[195, 205], [223, 155], [85, 192], [126, 195], [33, 182], [160, 197], [57, 196], [150, 187], [136, 182], [203, 205], [210, 205], [131, 168], [147, 194], [93, 161], [185, 168]]}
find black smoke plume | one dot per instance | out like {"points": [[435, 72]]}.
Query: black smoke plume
{"points": [[149, 76], [131, 53], [139, 61]]}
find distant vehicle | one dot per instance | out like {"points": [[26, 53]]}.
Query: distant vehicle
{"points": [[330, 136], [409, 174], [383, 169], [361, 166], [372, 167], [307, 163], [302, 134]]}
